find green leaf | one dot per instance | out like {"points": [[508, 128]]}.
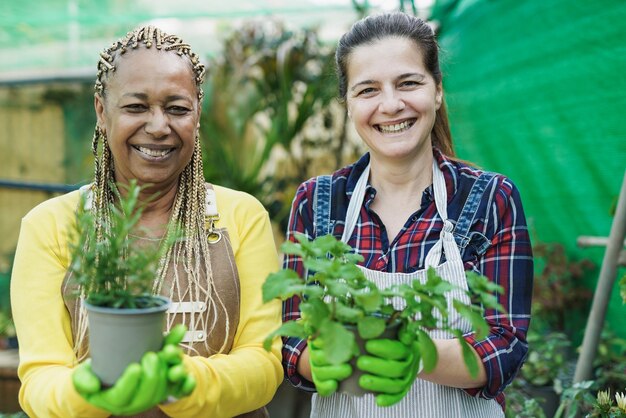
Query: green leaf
{"points": [[351, 273], [353, 258], [387, 310], [339, 343], [371, 327], [313, 290], [287, 329], [337, 288], [442, 287], [468, 356], [329, 244], [346, 314], [319, 265], [278, 283], [369, 300], [314, 312], [291, 248], [310, 248], [479, 283], [474, 315], [428, 350], [483, 291], [431, 275]]}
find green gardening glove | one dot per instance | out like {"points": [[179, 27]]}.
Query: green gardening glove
{"points": [[142, 386], [326, 376], [391, 367], [180, 383]]}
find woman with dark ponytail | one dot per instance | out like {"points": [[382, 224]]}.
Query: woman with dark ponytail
{"points": [[407, 205]]}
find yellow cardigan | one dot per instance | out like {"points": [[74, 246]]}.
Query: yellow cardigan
{"points": [[227, 384]]}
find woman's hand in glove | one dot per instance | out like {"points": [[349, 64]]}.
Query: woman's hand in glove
{"points": [[141, 386], [326, 376], [180, 383], [391, 367]]}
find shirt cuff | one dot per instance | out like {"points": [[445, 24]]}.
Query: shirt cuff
{"points": [[492, 389], [292, 349]]}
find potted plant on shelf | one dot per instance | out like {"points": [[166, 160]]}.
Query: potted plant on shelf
{"points": [[544, 369], [114, 274], [8, 338], [340, 305], [560, 297]]}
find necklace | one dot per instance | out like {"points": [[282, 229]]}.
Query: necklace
{"points": [[145, 238]]}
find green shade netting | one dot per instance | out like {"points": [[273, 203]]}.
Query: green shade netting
{"points": [[48, 35], [536, 90]]}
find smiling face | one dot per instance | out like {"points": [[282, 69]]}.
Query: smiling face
{"points": [[392, 99], [150, 113]]}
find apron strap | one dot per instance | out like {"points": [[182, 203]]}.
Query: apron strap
{"points": [[354, 207], [321, 206], [468, 213], [446, 244], [440, 191]]}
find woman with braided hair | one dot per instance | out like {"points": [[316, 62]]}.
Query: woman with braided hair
{"points": [[148, 101]]}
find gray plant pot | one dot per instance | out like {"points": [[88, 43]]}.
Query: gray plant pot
{"points": [[118, 337], [351, 384]]}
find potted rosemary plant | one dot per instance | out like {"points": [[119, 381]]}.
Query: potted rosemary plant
{"points": [[114, 275], [341, 306]]}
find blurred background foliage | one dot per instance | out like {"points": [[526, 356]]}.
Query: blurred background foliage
{"points": [[270, 120]]}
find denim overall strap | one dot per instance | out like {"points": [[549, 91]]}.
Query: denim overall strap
{"points": [[468, 213], [322, 224]]}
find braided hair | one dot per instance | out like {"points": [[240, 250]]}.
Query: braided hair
{"points": [[188, 213]]}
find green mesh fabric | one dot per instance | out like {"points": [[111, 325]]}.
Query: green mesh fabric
{"points": [[67, 35], [536, 90]]}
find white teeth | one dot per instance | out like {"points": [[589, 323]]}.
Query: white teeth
{"points": [[154, 152], [389, 129]]}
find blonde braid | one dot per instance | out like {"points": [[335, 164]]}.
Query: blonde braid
{"points": [[188, 212], [147, 35]]}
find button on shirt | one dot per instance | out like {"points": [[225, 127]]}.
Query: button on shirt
{"points": [[498, 247]]}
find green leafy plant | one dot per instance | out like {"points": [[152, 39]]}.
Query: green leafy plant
{"points": [[610, 362], [519, 405], [575, 400], [7, 328], [5, 285], [559, 291], [546, 359], [540, 382], [560, 299], [114, 270], [270, 118], [604, 407], [337, 294]]}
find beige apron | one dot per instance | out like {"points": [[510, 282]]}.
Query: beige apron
{"points": [[191, 312], [425, 399]]}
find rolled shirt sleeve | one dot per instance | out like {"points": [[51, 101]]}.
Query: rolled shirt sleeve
{"points": [[508, 262]]}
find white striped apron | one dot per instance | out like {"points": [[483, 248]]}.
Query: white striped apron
{"points": [[425, 399]]}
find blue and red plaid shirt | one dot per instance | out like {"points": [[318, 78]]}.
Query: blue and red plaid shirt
{"points": [[500, 249]]}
